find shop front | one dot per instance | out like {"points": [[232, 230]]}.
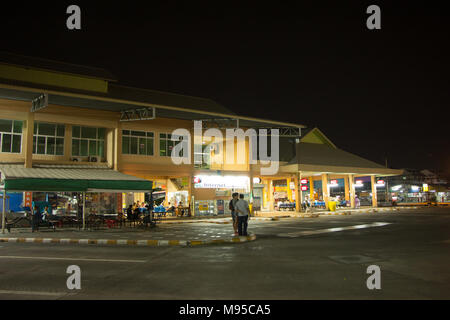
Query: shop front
{"points": [[212, 192], [66, 191]]}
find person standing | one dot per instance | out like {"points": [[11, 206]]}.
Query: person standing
{"points": [[35, 219], [232, 207], [242, 212]]}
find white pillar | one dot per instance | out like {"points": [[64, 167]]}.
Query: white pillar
{"points": [[84, 210], [3, 211]]}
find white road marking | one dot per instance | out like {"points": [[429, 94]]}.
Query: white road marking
{"points": [[34, 293], [320, 231], [283, 227], [72, 259]]}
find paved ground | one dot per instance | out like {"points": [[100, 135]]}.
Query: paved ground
{"points": [[316, 258]]}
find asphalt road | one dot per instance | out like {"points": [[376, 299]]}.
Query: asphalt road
{"points": [[321, 258]]}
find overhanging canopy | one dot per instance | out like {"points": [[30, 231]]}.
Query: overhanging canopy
{"points": [[76, 180]]}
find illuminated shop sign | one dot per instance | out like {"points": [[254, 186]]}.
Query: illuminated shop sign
{"points": [[304, 181], [380, 183], [359, 183], [221, 182], [304, 188], [333, 183]]}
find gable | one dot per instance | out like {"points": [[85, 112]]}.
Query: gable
{"points": [[317, 137]]}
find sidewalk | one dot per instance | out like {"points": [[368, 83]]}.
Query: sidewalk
{"points": [[200, 233]]}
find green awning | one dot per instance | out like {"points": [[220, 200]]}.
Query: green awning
{"points": [[76, 180]]}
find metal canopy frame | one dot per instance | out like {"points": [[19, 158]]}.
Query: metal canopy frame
{"points": [[224, 123]]}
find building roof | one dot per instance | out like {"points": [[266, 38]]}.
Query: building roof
{"points": [[320, 154], [167, 99], [58, 66], [113, 96]]}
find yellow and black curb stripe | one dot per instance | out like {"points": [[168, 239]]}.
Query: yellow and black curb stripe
{"points": [[151, 243], [344, 213]]}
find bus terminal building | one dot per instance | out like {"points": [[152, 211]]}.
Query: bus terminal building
{"points": [[68, 129]]}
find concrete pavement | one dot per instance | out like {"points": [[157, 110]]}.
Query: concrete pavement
{"points": [[324, 258]]}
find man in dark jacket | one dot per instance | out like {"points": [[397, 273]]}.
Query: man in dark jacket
{"points": [[232, 207], [35, 219]]}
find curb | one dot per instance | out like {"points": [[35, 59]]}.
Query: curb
{"points": [[200, 221], [149, 243], [345, 213], [222, 241]]}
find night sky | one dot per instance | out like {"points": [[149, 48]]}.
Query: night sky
{"points": [[375, 93]]}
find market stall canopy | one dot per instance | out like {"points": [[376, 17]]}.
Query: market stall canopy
{"points": [[75, 180], [313, 158]]}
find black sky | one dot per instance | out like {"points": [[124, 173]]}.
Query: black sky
{"points": [[373, 93]]}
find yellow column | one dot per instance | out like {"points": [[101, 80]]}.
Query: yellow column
{"points": [[374, 192], [251, 185], [311, 189], [28, 140], [347, 195], [271, 204], [117, 147], [289, 191], [68, 142], [325, 192], [352, 190], [298, 194]]}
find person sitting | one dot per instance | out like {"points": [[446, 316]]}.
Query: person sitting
{"points": [[46, 218], [171, 209]]}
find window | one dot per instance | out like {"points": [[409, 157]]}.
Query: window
{"points": [[48, 138], [88, 141], [11, 135], [166, 144], [204, 156], [137, 142]]}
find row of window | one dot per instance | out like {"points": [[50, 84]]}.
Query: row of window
{"points": [[142, 143], [48, 139]]}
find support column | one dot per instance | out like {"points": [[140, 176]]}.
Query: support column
{"points": [[298, 192], [325, 191], [251, 185], [3, 211], [352, 190], [347, 193], [311, 189], [118, 147], [28, 140], [271, 201], [109, 147], [68, 142], [374, 192], [84, 210], [191, 196]]}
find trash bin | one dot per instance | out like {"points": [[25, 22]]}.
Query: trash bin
{"points": [[332, 205]]}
